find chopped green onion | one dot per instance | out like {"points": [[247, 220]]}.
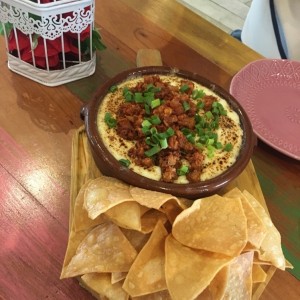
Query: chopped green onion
{"points": [[211, 151], [198, 94], [209, 114], [183, 170], [212, 135], [218, 109], [124, 162], [155, 103], [128, 95], [191, 138], [149, 141], [156, 138], [185, 131], [199, 145], [210, 141], [184, 88], [163, 144], [151, 88], [203, 139], [194, 94], [146, 130], [200, 105], [170, 131], [109, 120], [218, 145], [138, 97], [155, 149], [228, 147], [153, 130], [146, 123], [147, 109], [148, 98], [113, 88], [186, 106], [223, 112], [155, 120], [200, 130], [215, 123]]}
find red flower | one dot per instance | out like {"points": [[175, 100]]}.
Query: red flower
{"points": [[54, 49]]}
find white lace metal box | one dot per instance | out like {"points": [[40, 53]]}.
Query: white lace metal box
{"points": [[49, 41]]}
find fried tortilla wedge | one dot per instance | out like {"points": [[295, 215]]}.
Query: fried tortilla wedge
{"points": [[255, 226], [103, 193], [190, 271], [235, 282], [147, 273], [215, 224], [270, 249], [104, 249], [100, 284]]}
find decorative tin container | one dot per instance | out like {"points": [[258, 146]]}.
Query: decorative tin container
{"points": [[49, 41]]}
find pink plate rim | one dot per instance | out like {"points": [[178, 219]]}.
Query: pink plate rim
{"points": [[262, 74]]}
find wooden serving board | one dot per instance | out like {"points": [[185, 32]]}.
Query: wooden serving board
{"points": [[84, 168]]}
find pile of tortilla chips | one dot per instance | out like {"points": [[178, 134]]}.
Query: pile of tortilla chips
{"points": [[130, 243]]}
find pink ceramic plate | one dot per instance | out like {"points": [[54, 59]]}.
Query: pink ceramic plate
{"points": [[269, 91]]}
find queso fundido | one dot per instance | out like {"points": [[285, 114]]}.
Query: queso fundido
{"points": [[169, 129]]}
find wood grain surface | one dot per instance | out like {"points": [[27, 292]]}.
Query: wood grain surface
{"points": [[37, 124]]}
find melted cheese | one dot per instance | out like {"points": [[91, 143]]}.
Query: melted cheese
{"points": [[214, 166]]}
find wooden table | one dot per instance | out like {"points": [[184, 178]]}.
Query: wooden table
{"points": [[36, 128]]}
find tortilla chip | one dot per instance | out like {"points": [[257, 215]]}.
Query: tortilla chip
{"points": [[100, 284], [104, 249], [150, 219], [153, 199], [162, 295], [147, 273], [205, 295], [136, 238], [270, 249], [172, 209], [81, 220], [190, 271], [103, 193], [118, 276], [75, 238], [218, 285], [258, 274], [239, 279], [126, 215], [255, 227], [215, 224]]}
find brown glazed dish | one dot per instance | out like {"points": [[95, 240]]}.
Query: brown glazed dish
{"points": [[109, 166]]}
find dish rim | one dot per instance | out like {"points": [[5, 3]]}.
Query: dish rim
{"points": [[260, 135], [111, 167]]}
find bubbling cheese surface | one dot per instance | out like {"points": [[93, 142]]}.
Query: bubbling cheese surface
{"points": [[229, 131]]}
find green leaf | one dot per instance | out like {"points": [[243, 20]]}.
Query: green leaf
{"points": [[96, 40], [8, 27]]}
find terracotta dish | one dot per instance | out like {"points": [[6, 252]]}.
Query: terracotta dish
{"points": [[109, 166]]}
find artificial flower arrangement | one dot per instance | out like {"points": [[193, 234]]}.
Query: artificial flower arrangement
{"points": [[49, 34]]}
